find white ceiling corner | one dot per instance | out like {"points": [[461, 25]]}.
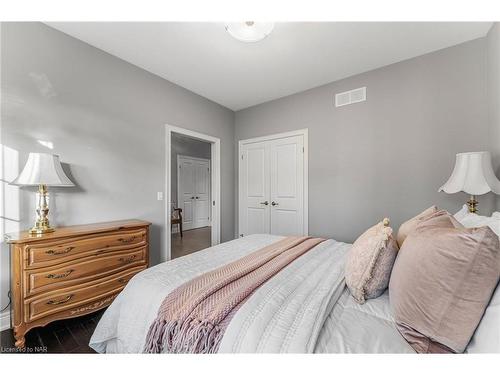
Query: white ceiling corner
{"points": [[204, 58]]}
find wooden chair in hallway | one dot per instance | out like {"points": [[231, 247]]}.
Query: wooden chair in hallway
{"points": [[177, 218]]}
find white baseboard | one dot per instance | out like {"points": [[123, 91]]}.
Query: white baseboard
{"points": [[5, 320]]}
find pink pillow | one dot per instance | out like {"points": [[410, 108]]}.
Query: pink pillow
{"points": [[441, 283], [369, 262], [408, 226]]}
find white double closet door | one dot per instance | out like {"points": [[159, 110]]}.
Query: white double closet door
{"points": [[193, 191], [271, 180]]}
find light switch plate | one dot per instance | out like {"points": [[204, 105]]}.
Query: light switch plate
{"points": [[159, 195]]}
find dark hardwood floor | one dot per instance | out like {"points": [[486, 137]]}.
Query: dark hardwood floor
{"points": [[192, 241], [63, 336]]}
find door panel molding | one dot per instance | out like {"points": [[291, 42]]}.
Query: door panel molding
{"points": [[243, 214], [254, 195], [287, 184], [197, 199]]}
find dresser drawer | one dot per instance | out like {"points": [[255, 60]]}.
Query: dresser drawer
{"points": [[49, 253], [79, 299], [79, 271]]}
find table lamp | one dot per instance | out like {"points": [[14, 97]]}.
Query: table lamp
{"points": [[473, 174], [42, 170]]}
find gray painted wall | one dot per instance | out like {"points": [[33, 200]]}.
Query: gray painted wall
{"points": [[106, 120], [493, 87], [186, 146], [389, 155]]}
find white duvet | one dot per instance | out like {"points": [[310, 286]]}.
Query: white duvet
{"points": [[300, 310], [287, 313]]}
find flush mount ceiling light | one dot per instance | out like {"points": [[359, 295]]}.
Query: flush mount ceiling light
{"points": [[249, 31]]}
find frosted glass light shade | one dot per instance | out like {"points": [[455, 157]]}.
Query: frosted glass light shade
{"points": [[249, 31], [42, 169], [473, 174]]}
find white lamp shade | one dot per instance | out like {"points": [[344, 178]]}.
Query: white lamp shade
{"points": [[473, 174], [42, 169]]}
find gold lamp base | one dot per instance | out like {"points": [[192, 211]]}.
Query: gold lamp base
{"points": [[472, 204], [40, 228], [42, 212]]}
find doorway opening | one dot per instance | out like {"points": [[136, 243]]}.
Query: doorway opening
{"points": [[193, 192]]}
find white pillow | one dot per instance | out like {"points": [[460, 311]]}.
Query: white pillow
{"points": [[464, 211], [470, 220], [486, 339]]}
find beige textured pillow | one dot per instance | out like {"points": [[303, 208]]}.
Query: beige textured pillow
{"points": [[408, 226], [369, 262], [441, 283]]}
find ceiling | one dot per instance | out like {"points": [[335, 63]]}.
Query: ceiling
{"points": [[204, 58]]}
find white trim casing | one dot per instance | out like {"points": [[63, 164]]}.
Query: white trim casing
{"points": [[305, 134], [215, 185]]}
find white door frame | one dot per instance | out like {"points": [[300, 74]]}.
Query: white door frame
{"points": [[179, 181], [305, 134], [215, 216]]}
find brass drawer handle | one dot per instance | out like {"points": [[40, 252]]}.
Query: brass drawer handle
{"points": [[127, 259], [127, 240], [55, 252], [61, 301], [59, 276]]}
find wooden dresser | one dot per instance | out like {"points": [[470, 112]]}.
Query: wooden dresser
{"points": [[72, 271]]}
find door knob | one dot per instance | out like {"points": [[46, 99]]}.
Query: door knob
{"points": [[197, 197], [265, 203], [192, 197], [274, 203]]}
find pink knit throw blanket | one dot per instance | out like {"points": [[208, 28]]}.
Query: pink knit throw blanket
{"points": [[194, 316]]}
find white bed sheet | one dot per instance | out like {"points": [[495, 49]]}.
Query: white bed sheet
{"points": [[366, 328]]}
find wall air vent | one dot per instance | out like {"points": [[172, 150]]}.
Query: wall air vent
{"points": [[350, 97]]}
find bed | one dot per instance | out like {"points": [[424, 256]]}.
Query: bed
{"points": [[305, 308]]}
